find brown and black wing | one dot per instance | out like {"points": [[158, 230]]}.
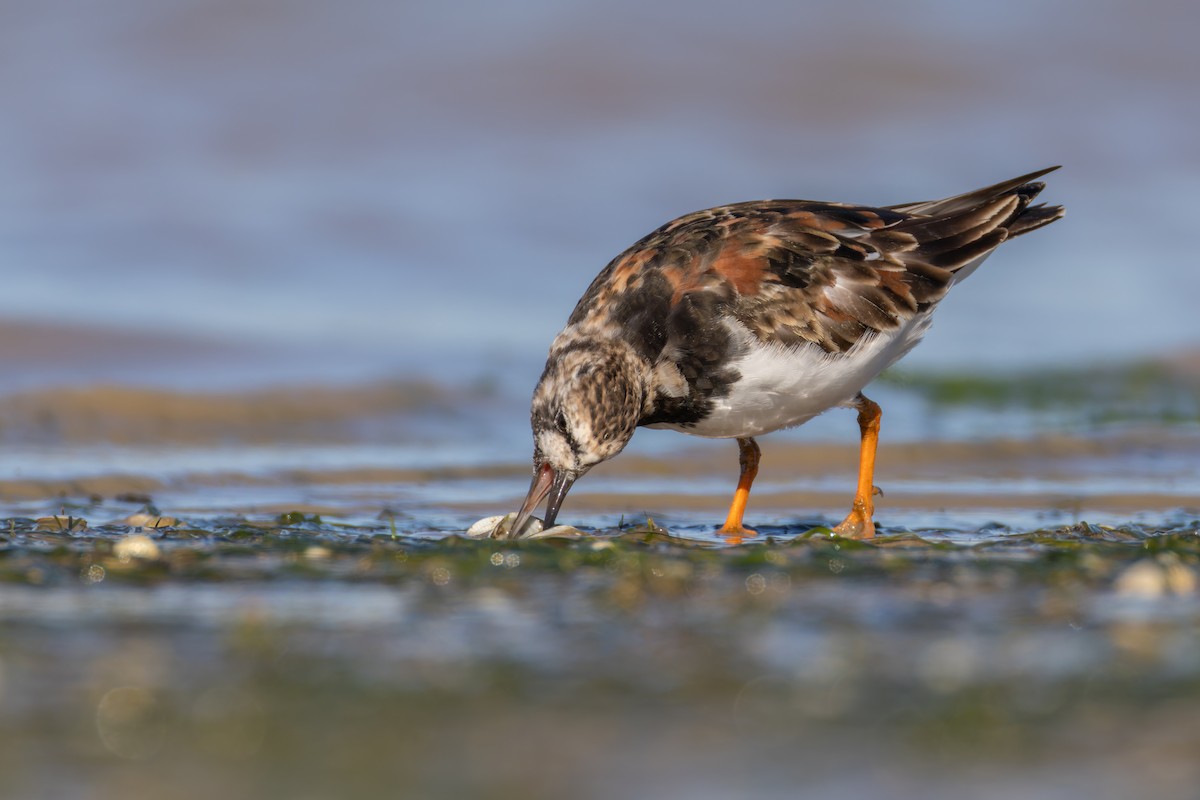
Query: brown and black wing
{"points": [[793, 272], [831, 274]]}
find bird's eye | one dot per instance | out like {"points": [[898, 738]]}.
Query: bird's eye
{"points": [[560, 421]]}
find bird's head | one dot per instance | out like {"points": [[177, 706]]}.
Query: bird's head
{"points": [[585, 410]]}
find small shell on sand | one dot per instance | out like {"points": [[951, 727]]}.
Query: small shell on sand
{"points": [[61, 522], [1151, 578], [498, 528], [136, 546], [557, 532], [143, 520]]}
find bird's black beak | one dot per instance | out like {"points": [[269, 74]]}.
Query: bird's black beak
{"points": [[546, 481]]}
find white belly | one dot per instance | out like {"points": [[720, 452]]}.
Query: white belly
{"points": [[782, 387]]}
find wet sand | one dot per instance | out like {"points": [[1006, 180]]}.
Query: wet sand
{"points": [[299, 630], [124, 415], [267, 593], [1067, 474], [256, 656]]}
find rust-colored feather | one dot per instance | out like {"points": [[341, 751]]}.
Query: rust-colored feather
{"points": [[684, 329], [796, 271]]}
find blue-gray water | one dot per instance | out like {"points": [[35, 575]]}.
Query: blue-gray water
{"points": [[221, 195], [400, 186]]}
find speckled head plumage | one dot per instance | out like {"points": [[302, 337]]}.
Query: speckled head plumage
{"points": [[742, 319], [585, 409]]}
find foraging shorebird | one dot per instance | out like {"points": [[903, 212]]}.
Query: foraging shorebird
{"points": [[743, 319]]}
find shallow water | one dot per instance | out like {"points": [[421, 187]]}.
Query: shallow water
{"points": [[306, 619], [229, 228], [282, 656], [268, 593]]}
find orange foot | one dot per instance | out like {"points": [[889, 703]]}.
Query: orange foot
{"points": [[859, 524], [735, 535], [856, 525], [733, 530]]}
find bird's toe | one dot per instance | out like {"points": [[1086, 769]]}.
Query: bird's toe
{"points": [[856, 526]]}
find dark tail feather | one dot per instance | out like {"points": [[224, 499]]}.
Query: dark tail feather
{"points": [[959, 232], [1024, 185], [1033, 218]]}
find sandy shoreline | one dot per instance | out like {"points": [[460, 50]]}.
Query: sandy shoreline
{"points": [[464, 449], [114, 414], [1062, 473]]}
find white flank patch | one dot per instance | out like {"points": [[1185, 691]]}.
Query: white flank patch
{"points": [[782, 387]]}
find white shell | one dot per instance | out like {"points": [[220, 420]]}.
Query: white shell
{"points": [[498, 527], [557, 532], [136, 546], [1156, 578], [143, 520]]}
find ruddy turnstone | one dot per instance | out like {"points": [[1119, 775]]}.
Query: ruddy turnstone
{"points": [[744, 319]]}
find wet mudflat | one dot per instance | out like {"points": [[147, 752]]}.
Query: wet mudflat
{"points": [[273, 596], [256, 654]]}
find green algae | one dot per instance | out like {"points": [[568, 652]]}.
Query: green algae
{"points": [[308, 545], [1099, 395], [305, 656]]}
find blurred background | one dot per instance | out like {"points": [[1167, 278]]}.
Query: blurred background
{"points": [[214, 194], [280, 275]]}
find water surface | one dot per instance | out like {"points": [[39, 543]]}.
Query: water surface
{"points": [[279, 277]]}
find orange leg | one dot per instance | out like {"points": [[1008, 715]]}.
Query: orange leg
{"points": [[859, 524], [748, 455]]}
